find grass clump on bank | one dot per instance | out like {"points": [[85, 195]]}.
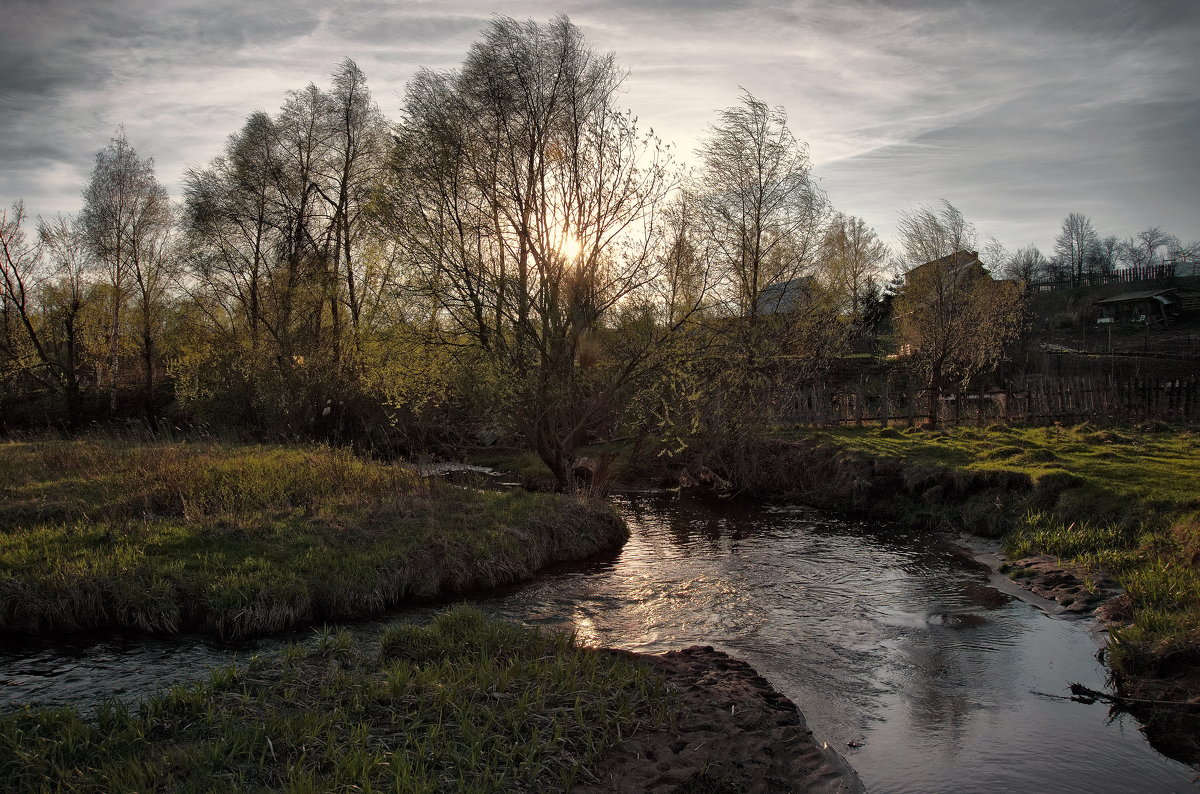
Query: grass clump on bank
{"points": [[244, 540], [464, 704]]}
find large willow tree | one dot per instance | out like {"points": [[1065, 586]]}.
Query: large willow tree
{"points": [[525, 200]]}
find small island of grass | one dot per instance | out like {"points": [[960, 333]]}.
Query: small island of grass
{"points": [[464, 704], [238, 540]]}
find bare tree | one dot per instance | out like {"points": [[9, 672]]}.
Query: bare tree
{"points": [[526, 201], [355, 165], [1075, 244], [21, 268], [762, 211], [125, 212], [69, 279], [1186, 256], [1141, 249], [928, 233], [852, 258], [1106, 254], [685, 283], [44, 289], [953, 320], [1026, 264], [286, 266]]}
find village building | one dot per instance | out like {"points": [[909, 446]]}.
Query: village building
{"points": [[1147, 306], [785, 297]]}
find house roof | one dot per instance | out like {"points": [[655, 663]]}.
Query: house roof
{"points": [[784, 296], [957, 259], [1127, 297]]}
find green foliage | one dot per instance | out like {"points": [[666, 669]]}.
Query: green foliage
{"points": [[243, 540], [464, 704]]}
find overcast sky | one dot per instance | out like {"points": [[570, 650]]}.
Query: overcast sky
{"points": [[1017, 111]]}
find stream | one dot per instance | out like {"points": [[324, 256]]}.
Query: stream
{"points": [[913, 661]]}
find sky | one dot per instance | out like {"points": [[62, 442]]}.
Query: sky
{"points": [[1016, 111]]}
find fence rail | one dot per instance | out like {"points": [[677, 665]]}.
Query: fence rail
{"points": [[1165, 271], [1033, 401]]}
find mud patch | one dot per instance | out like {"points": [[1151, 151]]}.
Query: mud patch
{"points": [[1077, 590], [738, 735]]}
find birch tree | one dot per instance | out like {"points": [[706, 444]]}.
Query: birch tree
{"points": [[126, 212]]}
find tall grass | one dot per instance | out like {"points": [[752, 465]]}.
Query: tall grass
{"points": [[465, 704], [243, 540]]}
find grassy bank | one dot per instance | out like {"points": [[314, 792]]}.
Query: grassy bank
{"points": [[243, 540], [1124, 501], [465, 704]]}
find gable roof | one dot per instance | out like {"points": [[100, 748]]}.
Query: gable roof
{"points": [[956, 260], [1126, 297]]}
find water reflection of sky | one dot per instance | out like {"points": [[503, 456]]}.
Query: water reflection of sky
{"points": [[879, 635]]}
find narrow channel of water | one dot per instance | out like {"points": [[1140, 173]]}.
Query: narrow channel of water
{"points": [[902, 654]]}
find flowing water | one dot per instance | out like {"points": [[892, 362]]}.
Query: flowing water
{"points": [[904, 655]]}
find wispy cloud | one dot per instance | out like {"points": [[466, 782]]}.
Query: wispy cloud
{"points": [[1019, 111]]}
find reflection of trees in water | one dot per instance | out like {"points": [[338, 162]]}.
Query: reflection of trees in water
{"points": [[875, 608], [939, 703], [690, 522]]}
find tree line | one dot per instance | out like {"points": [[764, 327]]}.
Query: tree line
{"points": [[514, 254], [1080, 253]]}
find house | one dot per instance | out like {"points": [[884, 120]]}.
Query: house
{"points": [[1145, 306], [958, 262]]}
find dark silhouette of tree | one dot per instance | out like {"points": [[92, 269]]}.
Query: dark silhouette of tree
{"points": [[761, 210], [1075, 245], [852, 258], [525, 201], [953, 320]]}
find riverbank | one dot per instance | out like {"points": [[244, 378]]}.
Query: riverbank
{"points": [[239, 540], [464, 704], [1084, 513], [1081, 505]]}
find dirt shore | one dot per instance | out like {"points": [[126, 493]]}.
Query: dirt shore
{"points": [[1163, 698], [739, 735], [1077, 590]]}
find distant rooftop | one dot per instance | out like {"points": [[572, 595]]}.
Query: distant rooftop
{"points": [[784, 296], [1125, 297]]}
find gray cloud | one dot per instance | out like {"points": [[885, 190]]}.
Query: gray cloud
{"points": [[1019, 111]]}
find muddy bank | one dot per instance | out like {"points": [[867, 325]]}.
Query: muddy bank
{"points": [[738, 734], [1077, 590], [1166, 697]]}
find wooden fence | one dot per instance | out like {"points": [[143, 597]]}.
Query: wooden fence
{"points": [[1166, 271], [1032, 401]]}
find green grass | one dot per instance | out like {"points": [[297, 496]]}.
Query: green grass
{"points": [[1155, 469], [465, 704], [523, 464], [244, 540], [1125, 501]]}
